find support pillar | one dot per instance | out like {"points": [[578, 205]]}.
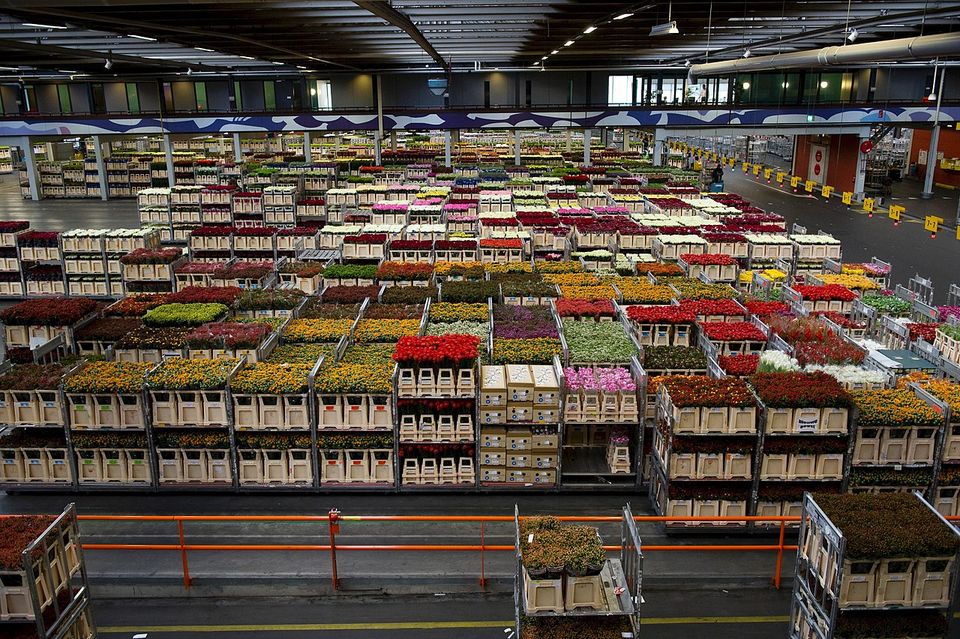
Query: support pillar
{"points": [[604, 137], [336, 144], [569, 139], [30, 162], [587, 134], [237, 153], [659, 146], [377, 146], [860, 177], [516, 148], [626, 140], [307, 150], [927, 191], [393, 141], [101, 167], [168, 150], [446, 148]]}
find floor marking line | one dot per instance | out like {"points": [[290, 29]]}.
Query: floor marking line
{"points": [[419, 625]]}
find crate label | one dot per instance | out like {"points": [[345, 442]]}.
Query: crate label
{"points": [[807, 425]]}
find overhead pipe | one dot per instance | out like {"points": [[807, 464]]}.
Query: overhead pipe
{"points": [[919, 48]]}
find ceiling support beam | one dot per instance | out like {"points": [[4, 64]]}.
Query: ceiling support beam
{"points": [[68, 54], [153, 27], [400, 20]]}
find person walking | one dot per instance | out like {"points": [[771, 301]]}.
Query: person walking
{"points": [[717, 176]]}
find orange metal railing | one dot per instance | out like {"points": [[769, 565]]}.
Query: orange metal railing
{"points": [[334, 519]]}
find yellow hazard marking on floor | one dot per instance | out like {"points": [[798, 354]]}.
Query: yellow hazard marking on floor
{"points": [[412, 625]]}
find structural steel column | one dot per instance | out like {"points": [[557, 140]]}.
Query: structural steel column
{"points": [[30, 161], [927, 191], [307, 151], [626, 140], [516, 148], [860, 175], [659, 144], [587, 134], [101, 167], [393, 141], [446, 147], [569, 135], [168, 150], [237, 152], [377, 143]]}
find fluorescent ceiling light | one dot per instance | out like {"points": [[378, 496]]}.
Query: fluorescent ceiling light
{"points": [[590, 29], [203, 49], [667, 28], [852, 36], [824, 84], [555, 52], [299, 67], [622, 16], [747, 53], [246, 57], [544, 57], [66, 71], [42, 26], [568, 43], [140, 37]]}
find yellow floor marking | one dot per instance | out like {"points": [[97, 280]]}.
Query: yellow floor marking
{"points": [[415, 625]]}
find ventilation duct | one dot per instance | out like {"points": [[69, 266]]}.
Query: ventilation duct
{"points": [[919, 48]]}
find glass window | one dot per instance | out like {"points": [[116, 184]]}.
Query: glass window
{"points": [[97, 98], [30, 98], [645, 86], [320, 95], [620, 90], [237, 99], [63, 97], [201, 89], [133, 98], [269, 96]]}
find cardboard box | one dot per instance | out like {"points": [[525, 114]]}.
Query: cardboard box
{"points": [[494, 438], [493, 387], [544, 442], [519, 461], [493, 416], [520, 412], [519, 383], [546, 386], [492, 473], [544, 477], [519, 441], [517, 476], [493, 457], [541, 460]]}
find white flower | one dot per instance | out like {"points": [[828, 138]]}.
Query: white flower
{"points": [[777, 361], [850, 374]]}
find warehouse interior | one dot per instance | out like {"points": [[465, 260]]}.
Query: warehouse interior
{"points": [[531, 319]]}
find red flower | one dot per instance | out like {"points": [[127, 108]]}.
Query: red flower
{"points": [[412, 245], [443, 351], [661, 315], [205, 295], [761, 308], [455, 245], [739, 365], [708, 259], [701, 308], [569, 307], [501, 244], [828, 292], [732, 332], [925, 331], [800, 390], [366, 238]]}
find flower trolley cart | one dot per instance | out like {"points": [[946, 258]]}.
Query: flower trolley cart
{"points": [[869, 564], [565, 581], [43, 581]]}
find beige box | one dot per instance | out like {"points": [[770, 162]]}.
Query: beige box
{"points": [[520, 413], [492, 473], [517, 441], [544, 476], [546, 386], [493, 389], [519, 461], [544, 442], [541, 460], [493, 416], [493, 457], [517, 476], [519, 383], [495, 438]]}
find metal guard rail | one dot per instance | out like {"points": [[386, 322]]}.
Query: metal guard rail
{"points": [[334, 519]]}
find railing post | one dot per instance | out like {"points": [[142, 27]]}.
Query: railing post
{"points": [[776, 577], [183, 555], [483, 575], [333, 518]]}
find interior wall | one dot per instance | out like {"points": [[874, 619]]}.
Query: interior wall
{"points": [[948, 146]]}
